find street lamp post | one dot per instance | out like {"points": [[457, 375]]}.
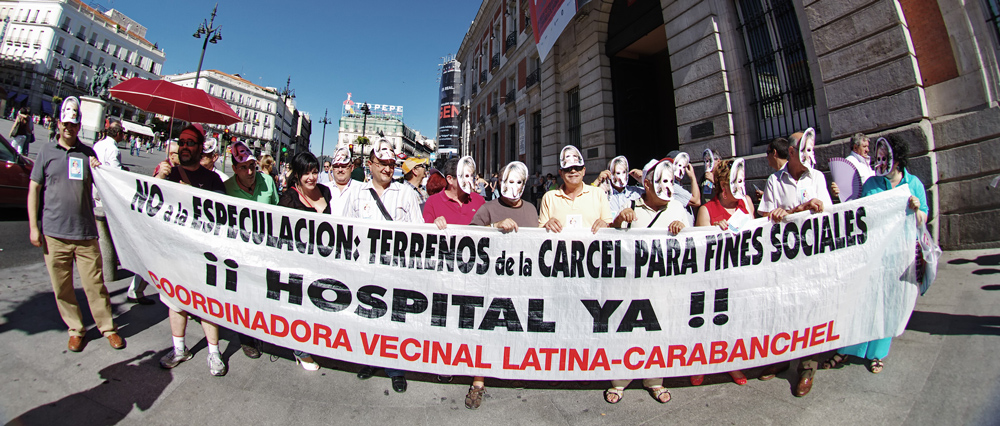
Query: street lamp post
{"points": [[325, 121], [61, 76], [212, 35], [364, 123]]}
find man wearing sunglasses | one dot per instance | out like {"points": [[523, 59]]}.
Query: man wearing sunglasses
{"points": [[574, 205], [341, 185], [190, 172], [325, 175]]}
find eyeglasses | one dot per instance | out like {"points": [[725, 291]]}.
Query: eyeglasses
{"points": [[389, 164], [187, 142], [573, 169]]}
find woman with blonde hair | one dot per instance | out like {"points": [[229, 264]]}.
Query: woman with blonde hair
{"points": [[267, 165]]}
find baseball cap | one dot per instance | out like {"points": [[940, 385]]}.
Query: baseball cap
{"points": [[651, 165], [69, 112], [412, 162], [241, 152], [383, 150]]}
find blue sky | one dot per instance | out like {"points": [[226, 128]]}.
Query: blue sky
{"points": [[381, 51]]}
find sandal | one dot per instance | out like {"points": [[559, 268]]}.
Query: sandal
{"points": [[836, 361], [614, 395], [876, 366], [738, 377], [658, 392], [475, 397], [697, 380]]}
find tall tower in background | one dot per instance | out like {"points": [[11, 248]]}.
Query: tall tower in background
{"points": [[448, 130]]}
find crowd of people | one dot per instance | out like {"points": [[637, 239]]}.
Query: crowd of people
{"points": [[666, 194]]}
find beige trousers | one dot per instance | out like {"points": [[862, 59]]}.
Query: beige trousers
{"points": [[60, 255]]}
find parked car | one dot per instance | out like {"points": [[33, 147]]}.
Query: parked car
{"points": [[15, 170]]}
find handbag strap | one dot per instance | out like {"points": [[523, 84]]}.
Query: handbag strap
{"points": [[381, 206]]}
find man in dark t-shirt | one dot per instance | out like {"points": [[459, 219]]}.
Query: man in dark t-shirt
{"points": [[190, 172], [61, 222]]}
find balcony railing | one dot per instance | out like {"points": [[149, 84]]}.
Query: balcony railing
{"points": [[533, 77], [495, 62], [475, 89], [74, 57], [482, 77], [92, 42], [493, 109], [509, 99], [511, 41], [80, 35], [64, 27], [61, 51], [87, 63]]}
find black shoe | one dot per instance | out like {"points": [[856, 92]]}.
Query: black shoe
{"points": [[398, 384], [250, 351], [142, 300], [445, 379], [368, 371]]}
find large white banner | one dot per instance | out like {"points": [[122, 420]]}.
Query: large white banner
{"points": [[527, 305]]}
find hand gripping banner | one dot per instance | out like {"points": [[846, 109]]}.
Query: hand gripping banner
{"points": [[527, 305]]}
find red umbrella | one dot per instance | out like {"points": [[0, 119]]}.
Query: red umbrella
{"points": [[186, 103]]}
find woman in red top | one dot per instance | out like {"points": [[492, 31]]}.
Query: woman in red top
{"points": [[729, 177]]}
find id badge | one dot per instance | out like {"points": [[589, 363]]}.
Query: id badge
{"points": [[574, 221], [75, 168]]}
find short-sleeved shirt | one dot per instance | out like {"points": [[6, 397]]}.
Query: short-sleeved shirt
{"points": [[645, 215], [590, 205], [108, 153], [861, 164], [401, 204], [494, 211], [783, 190], [441, 204], [876, 184], [201, 178], [67, 209], [263, 189]]}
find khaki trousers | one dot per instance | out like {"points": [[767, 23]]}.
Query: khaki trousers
{"points": [[60, 255], [646, 383]]}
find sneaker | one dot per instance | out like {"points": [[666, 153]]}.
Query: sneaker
{"points": [[215, 365], [172, 358]]}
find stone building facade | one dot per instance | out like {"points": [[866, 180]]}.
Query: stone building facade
{"points": [[643, 77]]}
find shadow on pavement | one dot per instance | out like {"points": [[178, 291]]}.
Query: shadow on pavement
{"points": [[984, 260], [126, 386], [954, 325], [39, 314]]}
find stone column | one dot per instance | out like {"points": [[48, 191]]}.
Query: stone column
{"points": [[91, 118]]}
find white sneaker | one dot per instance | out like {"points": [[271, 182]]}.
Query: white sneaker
{"points": [[172, 358], [215, 365], [307, 363]]}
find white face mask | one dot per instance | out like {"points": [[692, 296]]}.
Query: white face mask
{"points": [[619, 172], [383, 151], [569, 157], [514, 176], [680, 165], [466, 174], [737, 179], [882, 161], [663, 180], [807, 145], [709, 158]]}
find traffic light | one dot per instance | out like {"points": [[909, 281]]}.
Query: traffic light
{"points": [[284, 149]]}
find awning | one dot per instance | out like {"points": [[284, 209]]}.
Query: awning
{"points": [[137, 128], [47, 107], [11, 95], [21, 98]]}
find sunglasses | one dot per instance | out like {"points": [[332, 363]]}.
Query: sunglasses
{"points": [[573, 169], [187, 142]]}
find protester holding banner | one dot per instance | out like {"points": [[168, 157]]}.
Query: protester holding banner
{"points": [[341, 184], [210, 154], [891, 158], [731, 200], [794, 188], [709, 158], [190, 172], [61, 221], [458, 203], [384, 200], [574, 205], [656, 208], [309, 195], [691, 196]]}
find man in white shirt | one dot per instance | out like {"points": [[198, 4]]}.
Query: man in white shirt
{"points": [[382, 199], [620, 194], [794, 188], [342, 187], [326, 175], [859, 158], [107, 148]]}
